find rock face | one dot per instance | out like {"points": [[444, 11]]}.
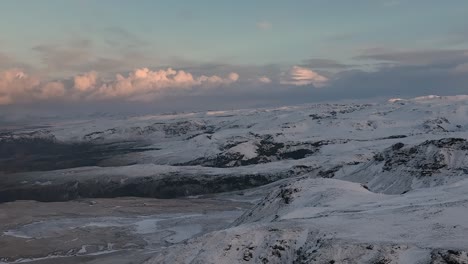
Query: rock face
{"points": [[401, 168], [427, 158]]}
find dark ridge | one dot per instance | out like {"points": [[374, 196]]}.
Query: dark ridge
{"points": [[43, 154], [171, 186], [181, 128], [393, 137]]}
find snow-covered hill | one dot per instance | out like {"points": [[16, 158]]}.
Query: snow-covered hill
{"points": [[334, 221], [347, 183]]}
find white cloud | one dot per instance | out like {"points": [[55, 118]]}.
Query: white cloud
{"points": [[264, 25], [300, 76]]}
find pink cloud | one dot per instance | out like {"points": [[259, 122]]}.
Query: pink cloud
{"points": [[85, 81], [300, 76], [146, 81], [141, 84], [15, 85]]}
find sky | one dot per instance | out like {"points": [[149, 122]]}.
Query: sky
{"points": [[189, 55]]}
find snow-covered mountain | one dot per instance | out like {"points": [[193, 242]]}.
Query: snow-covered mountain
{"points": [[332, 183]]}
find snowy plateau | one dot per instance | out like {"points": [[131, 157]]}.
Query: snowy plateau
{"points": [[373, 183]]}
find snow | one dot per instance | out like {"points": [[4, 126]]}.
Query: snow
{"points": [[396, 193], [343, 214], [146, 226], [16, 234], [183, 232], [247, 149]]}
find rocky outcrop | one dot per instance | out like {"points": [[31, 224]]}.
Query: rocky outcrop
{"points": [[263, 149], [401, 167], [449, 257]]}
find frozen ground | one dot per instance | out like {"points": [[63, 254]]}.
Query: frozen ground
{"points": [[118, 230], [323, 183]]}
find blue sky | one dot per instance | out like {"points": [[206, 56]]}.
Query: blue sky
{"points": [[227, 30], [282, 42]]}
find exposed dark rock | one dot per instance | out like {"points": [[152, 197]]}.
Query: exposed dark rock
{"points": [[424, 159], [286, 194], [395, 137], [330, 173], [449, 257], [301, 169], [398, 146], [383, 261], [267, 150], [436, 125]]}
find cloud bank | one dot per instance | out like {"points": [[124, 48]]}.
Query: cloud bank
{"points": [[142, 84], [146, 85], [215, 86]]}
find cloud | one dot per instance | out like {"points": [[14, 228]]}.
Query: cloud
{"points": [[233, 77], [13, 83], [5, 61], [264, 25], [301, 76], [119, 52], [85, 81], [264, 79], [69, 57], [146, 85], [458, 36], [18, 87], [120, 37], [52, 90], [217, 85], [420, 57], [9, 62], [398, 81], [140, 85], [462, 68], [325, 64]]}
